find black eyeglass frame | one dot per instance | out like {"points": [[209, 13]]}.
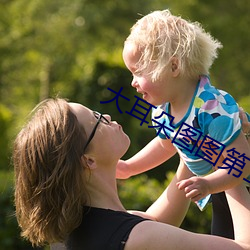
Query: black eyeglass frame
{"points": [[100, 118]]}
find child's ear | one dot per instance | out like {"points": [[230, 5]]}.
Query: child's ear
{"points": [[175, 66]]}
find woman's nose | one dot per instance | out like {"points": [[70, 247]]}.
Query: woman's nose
{"points": [[108, 117]]}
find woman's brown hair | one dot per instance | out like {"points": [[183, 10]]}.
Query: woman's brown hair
{"points": [[49, 182]]}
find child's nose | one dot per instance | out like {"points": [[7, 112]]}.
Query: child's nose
{"points": [[134, 83]]}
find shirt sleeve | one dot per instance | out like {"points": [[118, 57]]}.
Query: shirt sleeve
{"points": [[219, 118]]}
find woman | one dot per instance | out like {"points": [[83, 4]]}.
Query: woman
{"points": [[65, 188]]}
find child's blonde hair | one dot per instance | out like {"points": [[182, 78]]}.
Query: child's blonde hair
{"points": [[161, 36]]}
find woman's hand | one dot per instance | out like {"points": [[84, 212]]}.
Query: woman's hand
{"points": [[245, 123]]}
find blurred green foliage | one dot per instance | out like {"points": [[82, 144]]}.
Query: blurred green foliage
{"points": [[139, 192], [72, 48], [9, 231]]}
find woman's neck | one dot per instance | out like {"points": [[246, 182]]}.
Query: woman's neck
{"points": [[102, 189]]}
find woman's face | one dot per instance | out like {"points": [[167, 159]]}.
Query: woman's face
{"points": [[109, 140]]}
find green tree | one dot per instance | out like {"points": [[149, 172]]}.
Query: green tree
{"points": [[5, 123]]}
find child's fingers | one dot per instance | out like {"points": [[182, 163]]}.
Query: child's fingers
{"points": [[184, 183], [194, 195]]}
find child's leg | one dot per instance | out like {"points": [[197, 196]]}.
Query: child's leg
{"points": [[222, 224]]}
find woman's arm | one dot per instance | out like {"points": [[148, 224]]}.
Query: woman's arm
{"points": [[245, 124], [160, 236], [239, 203]]}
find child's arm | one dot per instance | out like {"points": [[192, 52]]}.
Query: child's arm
{"points": [[198, 187], [153, 154]]}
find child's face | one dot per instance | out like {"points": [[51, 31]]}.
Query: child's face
{"points": [[152, 92]]}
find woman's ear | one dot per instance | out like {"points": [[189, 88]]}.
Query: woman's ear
{"points": [[89, 161]]}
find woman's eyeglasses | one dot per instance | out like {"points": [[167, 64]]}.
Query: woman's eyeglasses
{"points": [[100, 118]]}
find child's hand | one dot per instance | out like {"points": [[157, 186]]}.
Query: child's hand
{"points": [[122, 170], [194, 187]]}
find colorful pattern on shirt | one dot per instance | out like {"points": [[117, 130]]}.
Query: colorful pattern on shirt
{"points": [[213, 112]]}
